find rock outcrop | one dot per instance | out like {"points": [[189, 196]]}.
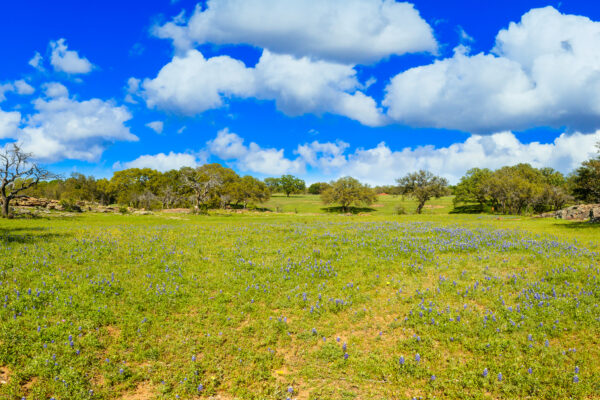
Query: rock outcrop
{"points": [[595, 215], [580, 212]]}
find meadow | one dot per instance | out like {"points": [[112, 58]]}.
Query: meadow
{"points": [[302, 303]]}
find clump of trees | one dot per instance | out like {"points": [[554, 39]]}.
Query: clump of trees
{"points": [[347, 192], [514, 189], [318, 187], [207, 186], [423, 186], [287, 184], [585, 182]]}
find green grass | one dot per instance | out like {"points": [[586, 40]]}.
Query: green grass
{"points": [[385, 205], [111, 306]]}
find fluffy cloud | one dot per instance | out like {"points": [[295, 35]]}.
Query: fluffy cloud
{"points": [[229, 146], [37, 61], [20, 87], [324, 156], [9, 123], [63, 128], [382, 165], [65, 60], [156, 126], [163, 162], [191, 84], [55, 89], [348, 31], [543, 71], [24, 88]]}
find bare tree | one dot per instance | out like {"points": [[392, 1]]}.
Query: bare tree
{"points": [[18, 173]]}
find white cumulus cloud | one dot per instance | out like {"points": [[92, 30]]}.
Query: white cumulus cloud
{"points": [[156, 126], [55, 89], [23, 88], [65, 60], [543, 71], [348, 31], [64, 128], [20, 87], [162, 162], [9, 124], [191, 84], [382, 164], [229, 146]]}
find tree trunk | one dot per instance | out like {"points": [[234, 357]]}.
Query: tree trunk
{"points": [[420, 208], [5, 207]]}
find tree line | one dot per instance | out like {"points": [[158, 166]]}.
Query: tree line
{"points": [[511, 189]]}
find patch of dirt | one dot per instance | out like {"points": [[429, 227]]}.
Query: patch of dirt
{"points": [[4, 375], [176, 210], [144, 391], [432, 206], [114, 332], [378, 205], [29, 385]]}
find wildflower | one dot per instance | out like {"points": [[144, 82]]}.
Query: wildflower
{"points": [[576, 369], [575, 379], [346, 355], [401, 360], [485, 372], [500, 377], [417, 357]]}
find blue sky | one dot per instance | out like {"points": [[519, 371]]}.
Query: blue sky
{"points": [[319, 89]]}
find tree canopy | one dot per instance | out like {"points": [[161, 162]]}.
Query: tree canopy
{"points": [[423, 185], [348, 191]]}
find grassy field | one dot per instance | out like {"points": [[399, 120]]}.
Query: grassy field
{"points": [[310, 305], [385, 205]]}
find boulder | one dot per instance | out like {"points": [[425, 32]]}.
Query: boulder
{"points": [[595, 215], [579, 212]]}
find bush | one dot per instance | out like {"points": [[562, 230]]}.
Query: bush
{"points": [[400, 210], [69, 205], [123, 210]]}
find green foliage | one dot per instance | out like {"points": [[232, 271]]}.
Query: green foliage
{"points": [[472, 187], [318, 187], [586, 181], [400, 210], [70, 205], [287, 184], [423, 186], [348, 191], [513, 190]]}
